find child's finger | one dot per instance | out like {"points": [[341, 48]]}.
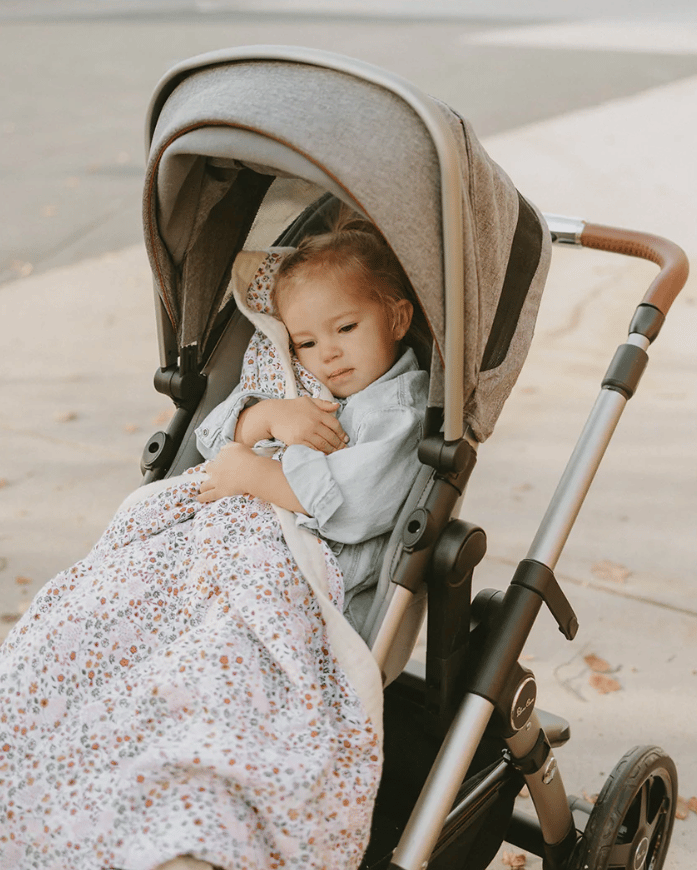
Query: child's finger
{"points": [[318, 442], [335, 426], [335, 439]]}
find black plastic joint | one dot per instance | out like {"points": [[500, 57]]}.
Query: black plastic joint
{"points": [[184, 389], [460, 548], [158, 452], [447, 457], [537, 756], [626, 369], [557, 855], [647, 321], [540, 579], [420, 530]]}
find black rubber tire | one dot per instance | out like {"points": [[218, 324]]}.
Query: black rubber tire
{"points": [[630, 825]]}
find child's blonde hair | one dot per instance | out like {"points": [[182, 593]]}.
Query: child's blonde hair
{"points": [[355, 245]]}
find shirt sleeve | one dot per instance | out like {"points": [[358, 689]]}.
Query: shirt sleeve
{"points": [[218, 428], [356, 493]]}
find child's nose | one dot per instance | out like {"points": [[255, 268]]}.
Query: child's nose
{"points": [[331, 351]]}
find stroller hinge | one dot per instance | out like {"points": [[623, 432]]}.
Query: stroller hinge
{"points": [[459, 549], [185, 385], [185, 388], [452, 458]]}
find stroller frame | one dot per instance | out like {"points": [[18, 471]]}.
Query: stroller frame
{"points": [[631, 823], [500, 685]]}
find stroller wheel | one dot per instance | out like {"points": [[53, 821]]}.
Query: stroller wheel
{"points": [[632, 820]]}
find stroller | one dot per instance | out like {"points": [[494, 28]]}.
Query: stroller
{"points": [[256, 147]]}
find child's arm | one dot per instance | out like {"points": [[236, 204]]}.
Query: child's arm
{"points": [[293, 421], [353, 495], [238, 470]]}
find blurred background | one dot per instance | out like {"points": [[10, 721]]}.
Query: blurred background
{"points": [[591, 110]]}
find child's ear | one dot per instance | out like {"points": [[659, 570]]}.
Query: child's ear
{"points": [[402, 312]]}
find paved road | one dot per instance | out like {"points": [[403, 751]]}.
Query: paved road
{"points": [[72, 155], [590, 118]]}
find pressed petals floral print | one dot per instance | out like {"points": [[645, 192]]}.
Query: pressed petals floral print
{"points": [[175, 693]]}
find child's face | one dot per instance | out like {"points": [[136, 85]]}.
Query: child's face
{"points": [[340, 333]]}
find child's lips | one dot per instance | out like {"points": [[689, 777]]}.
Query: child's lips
{"points": [[340, 373]]}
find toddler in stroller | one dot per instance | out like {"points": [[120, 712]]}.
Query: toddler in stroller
{"points": [[231, 171], [346, 304]]}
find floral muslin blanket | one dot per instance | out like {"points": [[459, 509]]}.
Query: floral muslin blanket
{"points": [[186, 690]]}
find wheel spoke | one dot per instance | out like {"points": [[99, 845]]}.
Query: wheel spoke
{"points": [[643, 796], [620, 856], [630, 825]]}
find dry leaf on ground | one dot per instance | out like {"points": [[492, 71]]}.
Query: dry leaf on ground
{"points": [[9, 617], [23, 581], [692, 804], [163, 417], [514, 859], [21, 268], [66, 416], [604, 684], [681, 809], [595, 663], [607, 570]]}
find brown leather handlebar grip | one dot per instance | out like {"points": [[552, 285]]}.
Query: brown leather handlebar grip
{"points": [[670, 257]]}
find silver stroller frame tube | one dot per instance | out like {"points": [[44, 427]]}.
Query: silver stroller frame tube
{"points": [[458, 749], [579, 473]]}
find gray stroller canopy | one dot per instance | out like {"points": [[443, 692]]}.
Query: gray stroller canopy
{"points": [[240, 142]]}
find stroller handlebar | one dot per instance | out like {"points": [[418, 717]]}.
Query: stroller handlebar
{"points": [[670, 257]]}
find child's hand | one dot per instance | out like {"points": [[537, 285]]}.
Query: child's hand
{"points": [[308, 421], [227, 473], [238, 470], [293, 421]]}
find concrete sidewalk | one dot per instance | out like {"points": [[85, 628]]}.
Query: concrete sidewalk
{"points": [[79, 350], [629, 566]]}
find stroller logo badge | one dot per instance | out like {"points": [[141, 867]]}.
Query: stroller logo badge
{"points": [[523, 702], [641, 853]]}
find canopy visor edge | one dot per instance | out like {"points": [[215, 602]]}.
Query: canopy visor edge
{"points": [[168, 331]]}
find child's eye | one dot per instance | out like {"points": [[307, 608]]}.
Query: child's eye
{"points": [[305, 345], [349, 327]]}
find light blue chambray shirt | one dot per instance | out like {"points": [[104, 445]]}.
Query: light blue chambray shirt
{"points": [[353, 496]]}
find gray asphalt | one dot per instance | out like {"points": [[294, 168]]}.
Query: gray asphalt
{"points": [[72, 157]]}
